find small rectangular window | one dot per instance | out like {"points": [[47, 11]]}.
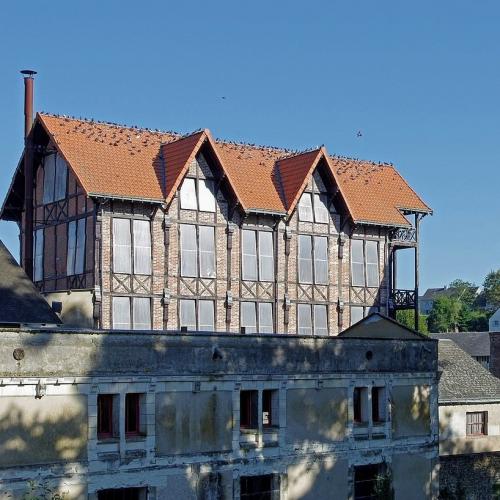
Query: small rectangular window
{"points": [[105, 416], [305, 208], [378, 404], [189, 250], [266, 256], [320, 320], [60, 178], [49, 173], [142, 313], [206, 195], [142, 246], [121, 313], [38, 249], [132, 414], [270, 408], [266, 317], [372, 272], [357, 263], [259, 487], [249, 255], [477, 423], [357, 314], [249, 410], [321, 213], [207, 251], [304, 319], [305, 259], [187, 314], [122, 240], [360, 402], [123, 494], [248, 315], [321, 260], [365, 481], [188, 194], [80, 246], [206, 318]]}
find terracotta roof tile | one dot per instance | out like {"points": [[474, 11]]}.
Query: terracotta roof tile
{"points": [[127, 162]]}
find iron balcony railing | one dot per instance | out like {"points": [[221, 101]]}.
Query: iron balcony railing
{"points": [[405, 235], [403, 299]]}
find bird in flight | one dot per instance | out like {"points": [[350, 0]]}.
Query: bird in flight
{"points": [[359, 134]]}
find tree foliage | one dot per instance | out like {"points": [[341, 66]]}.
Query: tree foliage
{"points": [[407, 318], [445, 315], [491, 289]]}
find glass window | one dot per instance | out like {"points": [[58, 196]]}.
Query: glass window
{"points": [[249, 255], [49, 173], [320, 260], [305, 259], [121, 246], [75, 258], [206, 194], [121, 313], [188, 194], [248, 318], [320, 320], [357, 314], [187, 314], [305, 208], [206, 316], [266, 317], [266, 257], [60, 178], [207, 251], [321, 213], [38, 255], [142, 313], [304, 319], [142, 246], [70, 257], [189, 261], [357, 263], [372, 273]]}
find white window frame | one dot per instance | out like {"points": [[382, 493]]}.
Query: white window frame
{"points": [[198, 194], [197, 250], [312, 311], [258, 309], [197, 305], [366, 265], [131, 324], [306, 212], [252, 267], [313, 260]]}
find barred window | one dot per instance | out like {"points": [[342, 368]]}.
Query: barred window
{"points": [[477, 423]]}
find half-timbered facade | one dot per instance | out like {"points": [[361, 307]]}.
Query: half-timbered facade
{"points": [[132, 228]]}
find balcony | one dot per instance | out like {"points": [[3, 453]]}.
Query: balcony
{"points": [[402, 299], [404, 237]]}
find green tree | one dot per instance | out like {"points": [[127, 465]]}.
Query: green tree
{"points": [[472, 320], [465, 291], [407, 318], [445, 315], [491, 289]]}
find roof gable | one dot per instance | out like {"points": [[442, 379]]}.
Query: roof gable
{"points": [[378, 326]]}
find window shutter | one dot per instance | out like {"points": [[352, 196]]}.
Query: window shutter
{"points": [[49, 172], [321, 260], [304, 319], [357, 263], [121, 246], [70, 258], [356, 314], [320, 321], [121, 313], [321, 213], [206, 318], [248, 316], [189, 261], [142, 313], [187, 314], [188, 194], [305, 259], [305, 208], [372, 274], [61, 174], [206, 193], [80, 246], [266, 257], [207, 251], [266, 317], [38, 257], [142, 246], [249, 253]]}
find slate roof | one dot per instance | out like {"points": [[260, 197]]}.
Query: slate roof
{"points": [[119, 161], [463, 379], [20, 301], [473, 343], [433, 293]]}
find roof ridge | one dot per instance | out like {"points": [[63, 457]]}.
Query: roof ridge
{"points": [[362, 160]]}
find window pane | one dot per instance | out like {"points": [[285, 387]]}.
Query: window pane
{"points": [[142, 246], [266, 317], [266, 258], [320, 320], [321, 260], [61, 175], [188, 194], [189, 261], [80, 247], [207, 252], [305, 208], [49, 172], [206, 319], [249, 255], [187, 314], [305, 259], [121, 246], [357, 313], [321, 213], [121, 313], [248, 316], [206, 193], [357, 263], [372, 274], [142, 313], [38, 255], [70, 259], [304, 320]]}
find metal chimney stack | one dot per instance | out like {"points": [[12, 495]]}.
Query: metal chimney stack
{"points": [[28, 99]]}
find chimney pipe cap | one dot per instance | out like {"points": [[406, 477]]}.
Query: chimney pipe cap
{"points": [[28, 72]]}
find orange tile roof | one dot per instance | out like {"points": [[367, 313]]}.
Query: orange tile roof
{"points": [[126, 162]]}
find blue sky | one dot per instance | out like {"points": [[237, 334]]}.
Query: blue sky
{"points": [[420, 80]]}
